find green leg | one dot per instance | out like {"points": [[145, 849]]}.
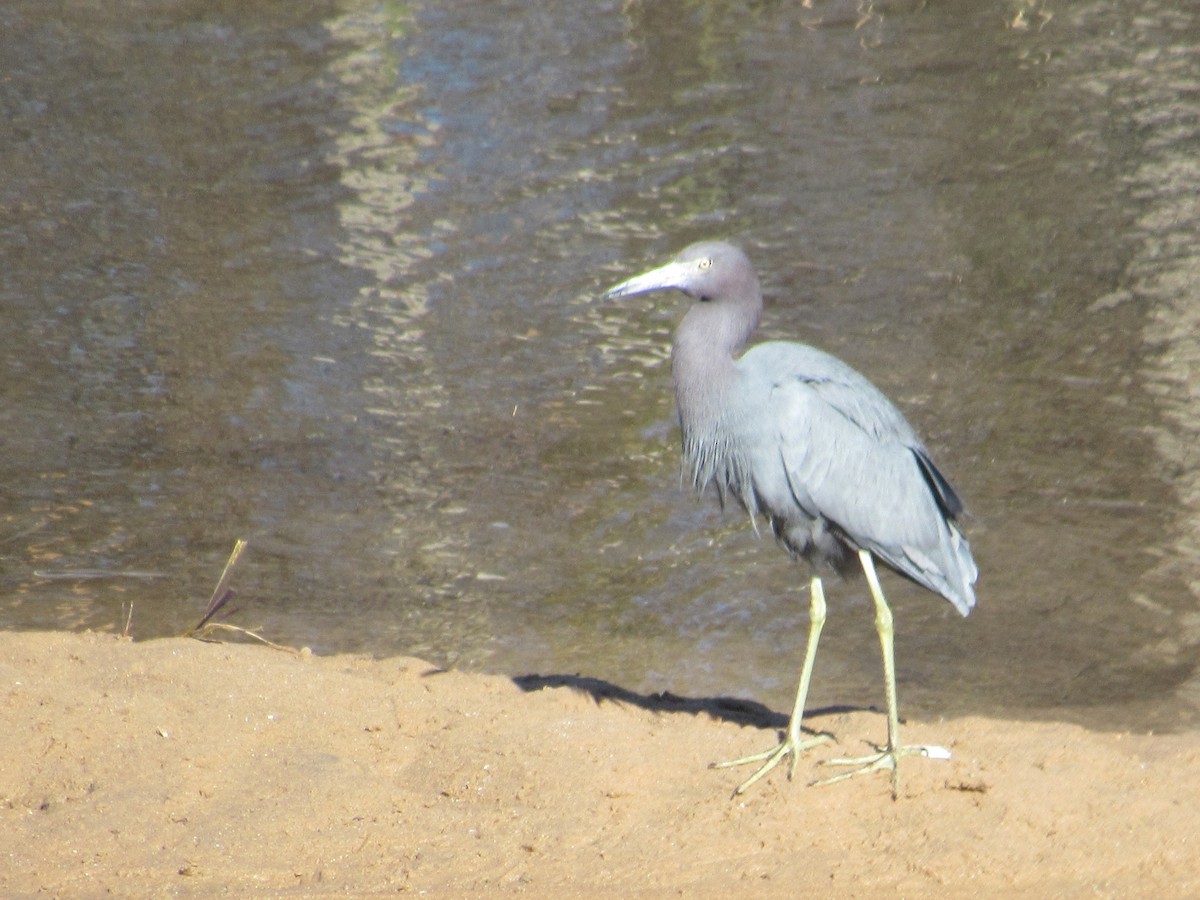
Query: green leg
{"points": [[792, 745], [888, 757]]}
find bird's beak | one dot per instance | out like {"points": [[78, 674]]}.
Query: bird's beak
{"points": [[669, 276]]}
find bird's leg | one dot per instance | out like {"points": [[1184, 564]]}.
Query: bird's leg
{"points": [[887, 757], [792, 744]]}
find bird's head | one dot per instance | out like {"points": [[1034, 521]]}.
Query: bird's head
{"points": [[708, 271]]}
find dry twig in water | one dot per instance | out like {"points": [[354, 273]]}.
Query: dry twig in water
{"points": [[221, 596]]}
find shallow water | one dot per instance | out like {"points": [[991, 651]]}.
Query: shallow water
{"points": [[325, 277]]}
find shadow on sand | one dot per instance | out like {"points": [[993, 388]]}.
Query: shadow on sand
{"points": [[725, 709]]}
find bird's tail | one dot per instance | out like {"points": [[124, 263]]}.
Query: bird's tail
{"points": [[948, 570], [961, 571]]}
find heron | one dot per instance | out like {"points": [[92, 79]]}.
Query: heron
{"points": [[806, 442]]}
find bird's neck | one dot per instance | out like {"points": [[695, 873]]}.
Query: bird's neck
{"points": [[707, 341], [703, 368]]}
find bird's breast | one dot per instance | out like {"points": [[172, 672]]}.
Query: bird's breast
{"points": [[714, 456]]}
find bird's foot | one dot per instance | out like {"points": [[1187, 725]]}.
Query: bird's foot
{"points": [[791, 745], [887, 759]]}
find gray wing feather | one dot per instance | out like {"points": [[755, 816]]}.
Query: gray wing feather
{"points": [[844, 389], [849, 456], [870, 486]]}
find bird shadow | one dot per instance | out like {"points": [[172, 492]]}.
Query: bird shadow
{"points": [[724, 709]]}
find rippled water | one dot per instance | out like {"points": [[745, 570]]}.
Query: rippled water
{"points": [[326, 278]]}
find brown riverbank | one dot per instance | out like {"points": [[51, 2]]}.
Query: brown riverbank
{"points": [[183, 767]]}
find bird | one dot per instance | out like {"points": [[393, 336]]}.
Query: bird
{"points": [[801, 439]]}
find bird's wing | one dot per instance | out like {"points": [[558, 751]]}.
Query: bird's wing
{"points": [[831, 444], [847, 452], [869, 485], [841, 387], [862, 403]]}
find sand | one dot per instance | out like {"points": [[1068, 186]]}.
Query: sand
{"points": [[191, 768]]}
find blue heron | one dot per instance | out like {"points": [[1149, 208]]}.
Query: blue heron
{"points": [[802, 439]]}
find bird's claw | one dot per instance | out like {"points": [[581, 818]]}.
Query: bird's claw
{"points": [[887, 759], [789, 746]]}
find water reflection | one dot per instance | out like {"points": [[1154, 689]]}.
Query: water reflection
{"points": [[329, 284]]}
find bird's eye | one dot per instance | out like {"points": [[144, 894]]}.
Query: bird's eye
{"points": [[705, 263]]}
